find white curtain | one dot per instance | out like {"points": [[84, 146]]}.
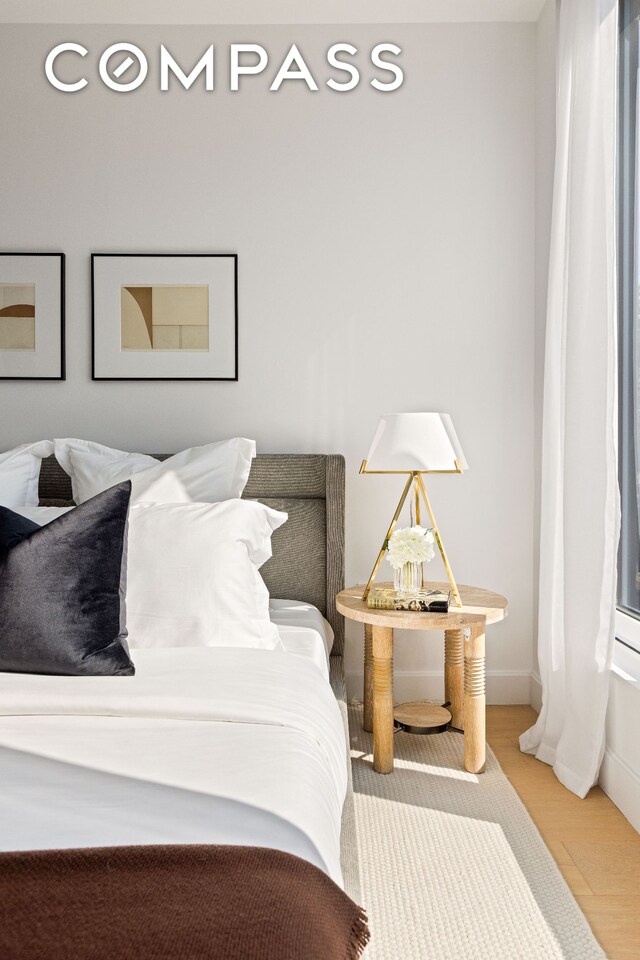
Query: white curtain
{"points": [[580, 513]]}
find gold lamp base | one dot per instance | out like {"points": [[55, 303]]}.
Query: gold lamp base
{"points": [[414, 479]]}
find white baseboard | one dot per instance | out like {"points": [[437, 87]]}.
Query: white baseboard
{"points": [[503, 686], [622, 785], [535, 693]]}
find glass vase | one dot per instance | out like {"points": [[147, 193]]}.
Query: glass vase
{"points": [[408, 578]]}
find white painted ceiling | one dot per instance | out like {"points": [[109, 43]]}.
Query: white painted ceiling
{"points": [[267, 11]]}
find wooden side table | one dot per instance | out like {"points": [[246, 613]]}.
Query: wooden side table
{"points": [[464, 679]]}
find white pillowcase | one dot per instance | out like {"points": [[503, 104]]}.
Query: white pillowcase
{"points": [[20, 473], [207, 474], [192, 573], [41, 515]]}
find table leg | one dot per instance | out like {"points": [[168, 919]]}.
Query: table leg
{"points": [[474, 700], [382, 643], [453, 676], [368, 678]]}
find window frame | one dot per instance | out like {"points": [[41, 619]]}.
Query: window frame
{"points": [[627, 619]]}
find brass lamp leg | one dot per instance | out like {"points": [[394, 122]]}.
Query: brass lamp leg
{"points": [[376, 565], [453, 676], [474, 700], [445, 560], [416, 491]]}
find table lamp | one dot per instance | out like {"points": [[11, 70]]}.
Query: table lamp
{"points": [[414, 444]]}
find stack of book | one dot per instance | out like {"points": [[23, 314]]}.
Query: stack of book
{"points": [[422, 601]]}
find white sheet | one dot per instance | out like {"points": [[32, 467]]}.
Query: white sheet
{"points": [[303, 631], [203, 745]]}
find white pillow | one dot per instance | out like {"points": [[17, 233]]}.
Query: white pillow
{"points": [[192, 573], [20, 473], [41, 515], [207, 474]]}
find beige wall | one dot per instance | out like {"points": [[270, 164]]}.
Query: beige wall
{"points": [[386, 256]]}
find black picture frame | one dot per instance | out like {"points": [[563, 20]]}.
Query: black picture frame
{"points": [[56, 306], [97, 312]]}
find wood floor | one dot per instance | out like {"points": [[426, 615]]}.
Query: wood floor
{"points": [[596, 848]]}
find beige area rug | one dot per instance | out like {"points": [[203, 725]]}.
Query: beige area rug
{"points": [[451, 864]]}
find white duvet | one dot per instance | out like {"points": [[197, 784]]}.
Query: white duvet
{"points": [[203, 745]]}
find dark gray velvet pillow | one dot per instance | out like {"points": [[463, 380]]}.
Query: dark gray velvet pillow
{"points": [[62, 590]]}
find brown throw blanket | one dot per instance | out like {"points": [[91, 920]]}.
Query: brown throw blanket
{"points": [[173, 903]]}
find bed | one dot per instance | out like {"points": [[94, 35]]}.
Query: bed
{"points": [[206, 748]]}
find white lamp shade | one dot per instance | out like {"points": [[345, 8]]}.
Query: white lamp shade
{"points": [[415, 441]]}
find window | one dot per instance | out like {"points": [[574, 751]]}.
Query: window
{"points": [[628, 620]]}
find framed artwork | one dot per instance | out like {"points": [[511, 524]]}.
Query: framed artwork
{"points": [[164, 316], [32, 316]]}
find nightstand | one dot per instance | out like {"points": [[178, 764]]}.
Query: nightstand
{"points": [[464, 681]]}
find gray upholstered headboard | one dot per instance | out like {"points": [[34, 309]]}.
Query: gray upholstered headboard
{"points": [[308, 551]]}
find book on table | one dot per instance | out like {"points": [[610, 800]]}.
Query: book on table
{"points": [[422, 601]]}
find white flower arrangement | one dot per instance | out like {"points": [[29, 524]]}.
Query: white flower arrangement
{"points": [[411, 545]]}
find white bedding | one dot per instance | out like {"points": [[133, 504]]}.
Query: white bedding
{"points": [[203, 745], [303, 631]]}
